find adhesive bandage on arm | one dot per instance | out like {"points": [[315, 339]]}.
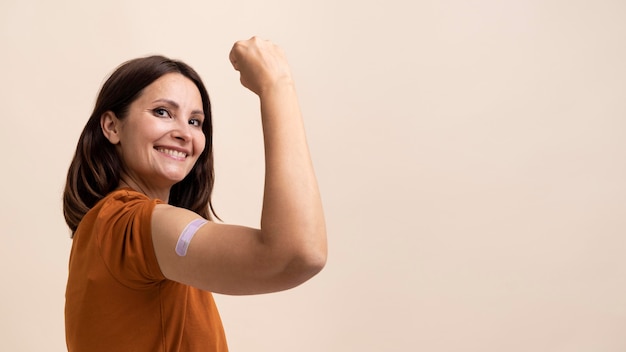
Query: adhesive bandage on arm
{"points": [[186, 236]]}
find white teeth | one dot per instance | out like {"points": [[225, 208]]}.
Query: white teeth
{"points": [[173, 153]]}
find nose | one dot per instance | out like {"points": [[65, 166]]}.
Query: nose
{"points": [[182, 131]]}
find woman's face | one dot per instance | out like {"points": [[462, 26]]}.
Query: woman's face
{"points": [[161, 137]]}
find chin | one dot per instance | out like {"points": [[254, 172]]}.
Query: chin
{"points": [[175, 180], [170, 181], [175, 175]]}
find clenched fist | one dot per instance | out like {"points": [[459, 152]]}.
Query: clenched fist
{"points": [[261, 64]]}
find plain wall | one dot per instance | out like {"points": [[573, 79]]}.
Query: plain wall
{"points": [[471, 157]]}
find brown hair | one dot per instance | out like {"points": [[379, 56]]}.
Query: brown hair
{"points": [[95, 168]]}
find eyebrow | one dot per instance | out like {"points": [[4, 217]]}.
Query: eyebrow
{"points": [[175, 105]]}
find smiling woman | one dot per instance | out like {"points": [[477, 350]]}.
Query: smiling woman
{"points": [[160, 139], [145, 255], [96, 168]]}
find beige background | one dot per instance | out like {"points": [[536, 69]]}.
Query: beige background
{"points": [[471, 155]]}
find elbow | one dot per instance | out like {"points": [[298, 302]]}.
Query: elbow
{"points": [[313, 257], [314, 262], [287, 265], [304, 266]]}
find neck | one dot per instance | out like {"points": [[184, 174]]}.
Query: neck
{"points": [[126, 181]]}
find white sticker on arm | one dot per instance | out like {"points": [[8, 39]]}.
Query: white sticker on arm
{"points": [[186, 236]]}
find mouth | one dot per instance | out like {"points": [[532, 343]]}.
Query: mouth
{"points": [[173, 153]]}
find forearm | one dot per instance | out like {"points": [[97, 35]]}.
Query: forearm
{"points": [[292, 219]]}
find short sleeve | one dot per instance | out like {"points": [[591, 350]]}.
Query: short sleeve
{"points": [[124, 237]]}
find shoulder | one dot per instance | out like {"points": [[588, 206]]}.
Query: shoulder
{"points": [[121, 204], [124, 195], [123, 200], [118, 229]]}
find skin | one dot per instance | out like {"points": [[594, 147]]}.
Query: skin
{"points": [[290, 245], [161, 138]]}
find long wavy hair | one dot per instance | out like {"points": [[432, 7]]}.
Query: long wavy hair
{"points": [[96, 166]]}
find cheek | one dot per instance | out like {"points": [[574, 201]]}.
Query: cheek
{"points": [[199, 143]]}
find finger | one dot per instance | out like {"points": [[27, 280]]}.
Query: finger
{"points": [[233, 59], [235, 53]]}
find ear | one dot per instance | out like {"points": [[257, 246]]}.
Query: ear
{"points": [[109, 124]]}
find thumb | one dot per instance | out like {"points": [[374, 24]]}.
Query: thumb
{"points": [[233, 59], [237, 55]]}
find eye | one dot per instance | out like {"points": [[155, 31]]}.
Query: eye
{"points": [[161, 112], [195, 122]]}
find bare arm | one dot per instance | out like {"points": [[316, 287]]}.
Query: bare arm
{"points": [[290, 246]]}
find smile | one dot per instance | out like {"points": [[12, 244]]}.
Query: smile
{"points": [[173, 153]]}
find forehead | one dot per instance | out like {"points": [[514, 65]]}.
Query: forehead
{"points": [[174, 87]]}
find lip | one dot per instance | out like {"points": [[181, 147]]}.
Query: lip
{"points": [[163, 150]]}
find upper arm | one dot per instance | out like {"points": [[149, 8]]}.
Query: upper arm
{"points": [[222, 258]]}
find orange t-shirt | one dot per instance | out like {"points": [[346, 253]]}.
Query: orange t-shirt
{"points": [[117, 298]]}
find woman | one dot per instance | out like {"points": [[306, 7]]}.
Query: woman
{"points": [[145, 256]]}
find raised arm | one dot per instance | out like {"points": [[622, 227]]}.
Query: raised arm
{"points": [[290, 246]]}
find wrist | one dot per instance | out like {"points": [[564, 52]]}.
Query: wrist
{"points": [[283, 85]]}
